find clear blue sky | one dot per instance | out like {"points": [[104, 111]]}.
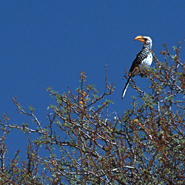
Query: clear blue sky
{"points": [[47, 43]]}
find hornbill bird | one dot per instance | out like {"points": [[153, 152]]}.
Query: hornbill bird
{"points": [[142, 61]]}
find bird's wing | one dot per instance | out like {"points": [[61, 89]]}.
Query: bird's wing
{"points": [[135, 68], [139, 58]]}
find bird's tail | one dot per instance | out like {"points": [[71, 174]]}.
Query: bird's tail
{"points": [[126, 86]]}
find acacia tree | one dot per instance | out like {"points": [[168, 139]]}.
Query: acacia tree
{"points": [[84, 143]]}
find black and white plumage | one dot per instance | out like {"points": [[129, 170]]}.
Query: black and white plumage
{"points": [[143, 59]]}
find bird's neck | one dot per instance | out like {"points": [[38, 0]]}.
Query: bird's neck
{"points": [[146, 47]]}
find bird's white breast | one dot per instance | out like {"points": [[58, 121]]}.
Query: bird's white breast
{"points": [[146, 62]]}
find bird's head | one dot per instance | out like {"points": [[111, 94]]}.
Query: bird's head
{"points": [[147, 41]]}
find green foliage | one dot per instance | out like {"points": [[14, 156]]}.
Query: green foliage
{"points": [[83, 143]]}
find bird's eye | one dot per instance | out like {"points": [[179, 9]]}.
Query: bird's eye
{"points": [[147, 41]]}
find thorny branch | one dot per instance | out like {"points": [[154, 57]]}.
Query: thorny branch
{"points": [[86, 143]]}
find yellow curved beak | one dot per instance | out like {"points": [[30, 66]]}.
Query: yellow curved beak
{"points": [[140, 38]]}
